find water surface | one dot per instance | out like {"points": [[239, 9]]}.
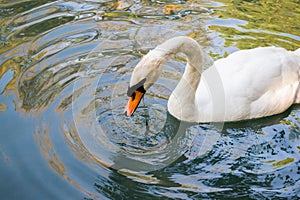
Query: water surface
{"points": [[65, 68]]}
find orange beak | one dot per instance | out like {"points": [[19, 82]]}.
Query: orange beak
{"points": [[133, 102]]}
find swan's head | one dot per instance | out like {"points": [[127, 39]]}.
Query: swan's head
{"points": [[143, 76]]}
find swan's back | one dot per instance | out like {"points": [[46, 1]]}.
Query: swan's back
{"points": [[254, 83]]}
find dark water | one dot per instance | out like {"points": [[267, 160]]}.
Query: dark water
{"points": [[64, 72]]}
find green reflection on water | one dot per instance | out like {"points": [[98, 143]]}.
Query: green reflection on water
{"points": [[42, 55], [283, 162], [264, 23]]}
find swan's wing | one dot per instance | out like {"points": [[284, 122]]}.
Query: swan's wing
{"points": [[249, 84]]}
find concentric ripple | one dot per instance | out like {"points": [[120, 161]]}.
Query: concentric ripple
{"points": [[64, 72], [145, 142]]}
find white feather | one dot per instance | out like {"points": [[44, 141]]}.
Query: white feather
{"points": [[247, 84]]}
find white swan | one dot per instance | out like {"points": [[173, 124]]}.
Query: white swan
{"points": [[247, 84]]}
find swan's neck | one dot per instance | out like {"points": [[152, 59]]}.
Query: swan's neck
{"points": [[181, 103]]}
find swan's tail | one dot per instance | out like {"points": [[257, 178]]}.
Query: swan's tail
{"points": [[297, 100], [298, 51]]}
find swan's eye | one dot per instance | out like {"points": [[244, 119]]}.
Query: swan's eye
{"points": [[133, 96], [139, 87]]}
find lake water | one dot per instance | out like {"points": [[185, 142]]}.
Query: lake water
{"points": [[64, 72]]}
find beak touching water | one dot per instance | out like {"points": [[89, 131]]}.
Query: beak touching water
{"points": [[133, 102], [135, 94]]}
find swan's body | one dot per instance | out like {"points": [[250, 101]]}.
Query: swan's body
{"points": [[247, 84]]}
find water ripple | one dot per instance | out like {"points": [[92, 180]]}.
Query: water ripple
{"points": [[64, 74]]}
